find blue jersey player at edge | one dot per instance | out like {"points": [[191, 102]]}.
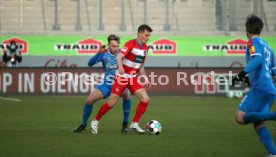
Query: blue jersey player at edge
{"points": [[255, 106], [108, 59]]}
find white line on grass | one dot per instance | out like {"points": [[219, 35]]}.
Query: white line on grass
{"points": [[10, 99]]}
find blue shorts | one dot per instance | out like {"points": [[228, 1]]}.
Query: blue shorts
{"points": [[105, 89], [256, 102]]}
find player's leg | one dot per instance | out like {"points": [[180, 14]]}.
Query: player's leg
{"points": [[262, 131], [113, 98], [254, 117], [255, 108], [126, 109], [142, 95], [251, 106], [265, 137], [139, 91], [87, 109], [117, 90]]}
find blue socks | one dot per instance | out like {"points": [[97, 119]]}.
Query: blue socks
{"points": [[87, 110], [256, 117], [126, 109], [267, 140]]}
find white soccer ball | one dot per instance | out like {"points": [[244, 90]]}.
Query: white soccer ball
{"points": [[154, 127]]}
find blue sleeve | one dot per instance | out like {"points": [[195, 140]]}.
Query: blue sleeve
{"points": [[273, 68], [255, 58], [256, 49], [95, 59], [253, 64]]}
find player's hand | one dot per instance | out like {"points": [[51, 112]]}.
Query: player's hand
{"points": [[121, 70], [235, 79], [238, 77], [246, 81], [147, 85], [102, 49]]}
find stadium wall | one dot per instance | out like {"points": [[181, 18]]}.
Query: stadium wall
{"points": [[82, 81]]}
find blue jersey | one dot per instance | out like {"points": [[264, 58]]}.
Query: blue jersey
{"points": [[109, 64], [260, 66]]}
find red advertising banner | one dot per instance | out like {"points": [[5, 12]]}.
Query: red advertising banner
{"points": [[82, 81]]}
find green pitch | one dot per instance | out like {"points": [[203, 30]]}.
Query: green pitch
{"points": [[192, 127]]}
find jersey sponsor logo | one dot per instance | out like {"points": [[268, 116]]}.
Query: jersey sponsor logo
{"points": [[163, 47], [86, 46], [23, 45], [131, 64], [233, 47], [139, 59], [111, 66]]}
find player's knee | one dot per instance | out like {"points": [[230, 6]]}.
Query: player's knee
{"points": [[89, 101], [145, 99], [112, 101], [257, 126], [239, 119]]}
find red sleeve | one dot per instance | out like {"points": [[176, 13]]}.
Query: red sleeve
{"points": [[127, 47]]}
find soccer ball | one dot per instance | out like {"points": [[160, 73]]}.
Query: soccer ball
{"points": [[154, 127]]}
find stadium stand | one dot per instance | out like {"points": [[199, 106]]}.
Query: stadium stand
{"points": [[183, 15]]}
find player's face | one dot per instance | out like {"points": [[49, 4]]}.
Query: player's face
{"points": [[113, 46], [144, 36]]}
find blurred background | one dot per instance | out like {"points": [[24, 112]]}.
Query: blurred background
{"points": [[175, 17]]}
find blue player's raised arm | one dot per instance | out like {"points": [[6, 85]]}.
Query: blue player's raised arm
{"points": [[95, 59], [98, 57]]}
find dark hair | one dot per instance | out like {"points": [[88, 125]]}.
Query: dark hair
{"points": [[144, 27], [113, 37], [253, 24]]}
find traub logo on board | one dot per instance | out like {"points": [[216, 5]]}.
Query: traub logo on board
{"points": [[86, 46]]}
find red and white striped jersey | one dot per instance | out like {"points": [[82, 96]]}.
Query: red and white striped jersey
{"points": [[135, 55]]}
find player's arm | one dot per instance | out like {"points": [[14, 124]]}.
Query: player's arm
{"points": [[119, 59], [253, 64], [143, 73], [98, 57], [255, 61], [123, 52], [95, 59]]}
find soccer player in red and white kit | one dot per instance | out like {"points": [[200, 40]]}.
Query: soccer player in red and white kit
{"points": [[130, 61]]}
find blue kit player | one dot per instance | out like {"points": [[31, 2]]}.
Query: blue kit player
{"points": [[255, 106], [108, 59]]}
